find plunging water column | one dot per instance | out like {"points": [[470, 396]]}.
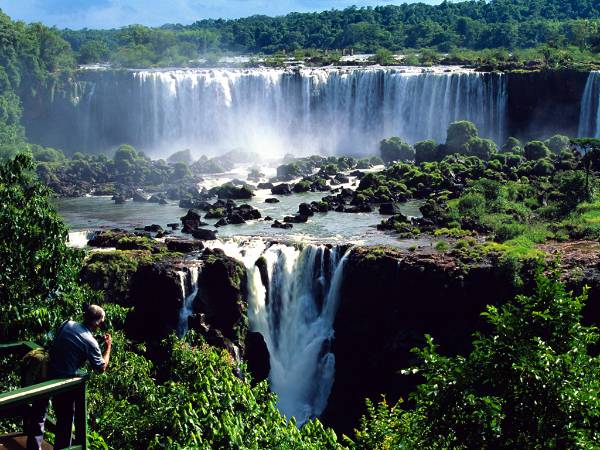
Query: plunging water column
{"points": [[293, 296], [589, 120], [277, 111]]}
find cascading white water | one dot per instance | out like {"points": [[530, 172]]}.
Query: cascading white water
{"points": [[589, 118], [189, 290], [294, 313], [79, 239], [277, 111]]}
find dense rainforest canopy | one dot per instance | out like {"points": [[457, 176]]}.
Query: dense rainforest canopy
{"points": [[472, 24], [509, 24]]}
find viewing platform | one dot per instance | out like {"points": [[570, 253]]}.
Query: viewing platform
{"points": [[15, 403]]}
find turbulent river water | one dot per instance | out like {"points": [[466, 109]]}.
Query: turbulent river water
{"points": [[90, 213]]}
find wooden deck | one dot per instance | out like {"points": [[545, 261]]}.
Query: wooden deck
{"points": [[16, 441]]}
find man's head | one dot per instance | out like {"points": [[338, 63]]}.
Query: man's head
{"points": [[93, 317]]}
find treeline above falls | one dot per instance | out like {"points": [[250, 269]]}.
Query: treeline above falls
{"points": [[303, 111]]}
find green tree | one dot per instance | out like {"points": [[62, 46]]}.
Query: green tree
{"points": [[426, 151], [395, 149], [531, 382], [535, 150], [94, 51], [482, 148], [38, 277], [459, 133], [558, 143], [180, 170], [511, 145]]}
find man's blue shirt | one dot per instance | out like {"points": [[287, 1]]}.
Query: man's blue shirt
{"points": [[72, 347]]}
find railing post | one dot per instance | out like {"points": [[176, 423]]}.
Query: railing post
{"points": [[81, 417]]}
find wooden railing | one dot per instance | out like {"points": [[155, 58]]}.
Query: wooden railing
{"points": [[14, 402]]}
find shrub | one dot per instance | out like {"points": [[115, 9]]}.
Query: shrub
{"points": [[427, 151], [543, 167], [472, 204], [530, 382], [459, 133], [395, 149], [535, 150], [442, 246], [558, 143], [482, 148]]}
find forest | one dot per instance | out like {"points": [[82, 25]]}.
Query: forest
{"points": [[474, 25]]}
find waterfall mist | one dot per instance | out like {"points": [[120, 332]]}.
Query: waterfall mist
{"points": [[277, 111]]}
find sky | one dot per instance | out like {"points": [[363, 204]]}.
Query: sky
{"points": [[76, 14]]}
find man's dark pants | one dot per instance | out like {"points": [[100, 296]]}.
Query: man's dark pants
{"points": [[64, 408]]}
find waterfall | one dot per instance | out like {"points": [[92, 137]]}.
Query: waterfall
{"points": [[277, 111], [295, 312], [79, 239], [189, 290], [589, 118]]}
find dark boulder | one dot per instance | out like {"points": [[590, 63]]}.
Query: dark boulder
{"points": [[298, 218], [156, 295], [221, 298], [222, 222], [235, 219], [191, 221], [281, 189], [265, 185], [257, 356], [305, 209], [248, 212], [229, 190], [389, 209], [140, 197], [192, 203], [119, 199], [216, 213], [154, 228], [204, 234], [183, 245], [302, 186], [173, 226], [271, 200], [342, 178], [278, 224]]}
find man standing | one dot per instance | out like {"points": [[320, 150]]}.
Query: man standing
{"points": [[73, 345]]}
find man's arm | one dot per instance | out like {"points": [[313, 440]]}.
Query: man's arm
{"points": [[106, 353]]}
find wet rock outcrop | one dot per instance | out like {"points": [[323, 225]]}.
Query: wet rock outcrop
{"points": [[156, 294], [544, 102], [389, 301]]}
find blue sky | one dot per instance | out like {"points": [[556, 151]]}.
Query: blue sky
{"points": [[116, 13]]}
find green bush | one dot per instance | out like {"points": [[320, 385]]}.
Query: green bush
{"points": [[201, 404], [531, 382], [472, 204], [535, 150], [395, 149], [459, 133], [38, 280]]}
